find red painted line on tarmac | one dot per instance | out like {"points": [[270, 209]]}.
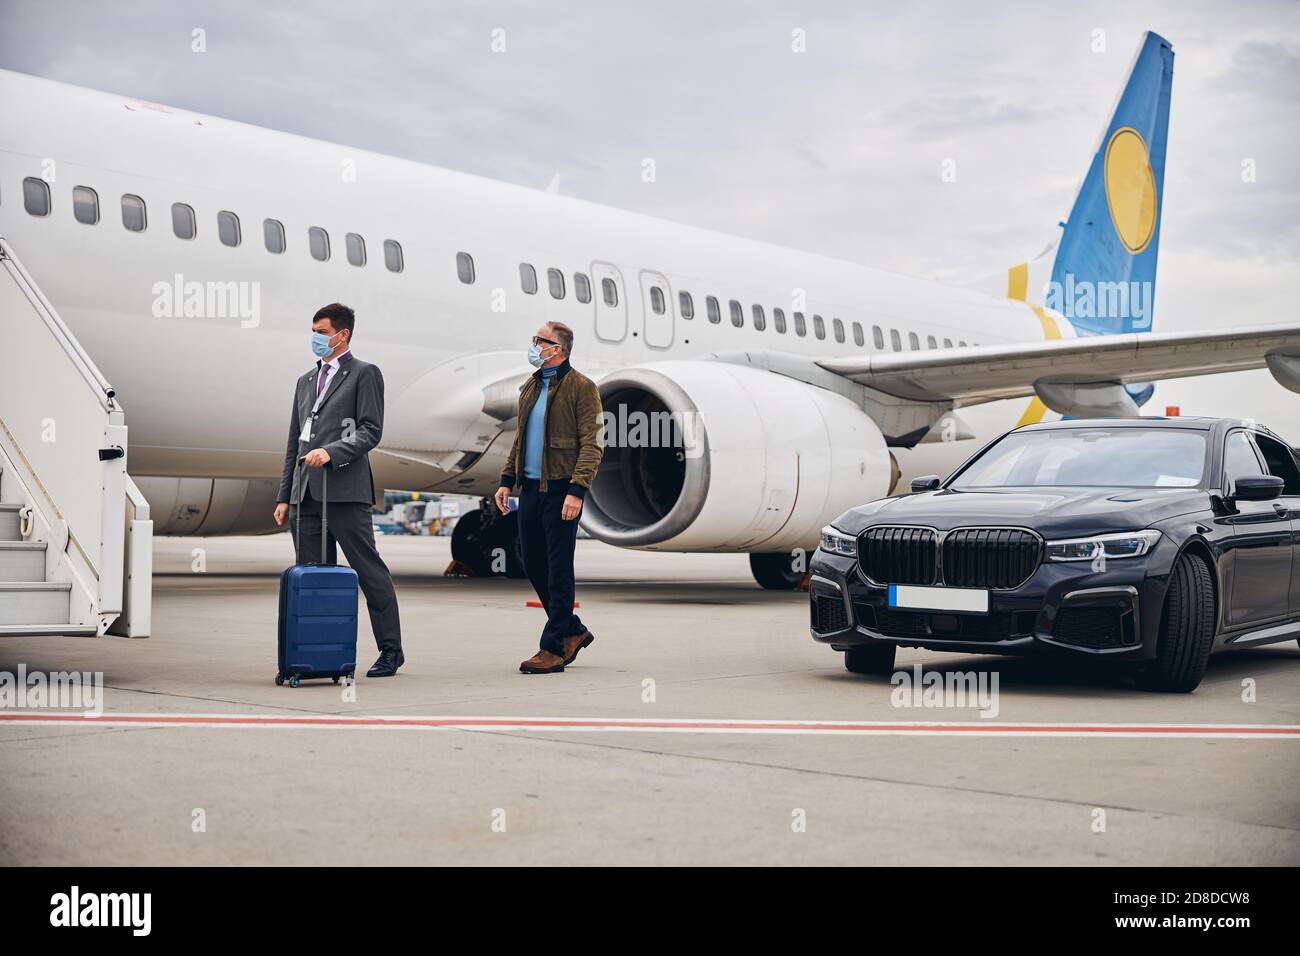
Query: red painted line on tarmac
{"points": [[973, 727]]}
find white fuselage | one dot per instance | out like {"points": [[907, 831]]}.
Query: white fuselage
{"points": [[209, 395]]}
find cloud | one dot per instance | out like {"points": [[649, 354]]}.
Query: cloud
{"points": [[837, 150]]}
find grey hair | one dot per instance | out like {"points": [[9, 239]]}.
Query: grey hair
{"points": [[564, 335]]}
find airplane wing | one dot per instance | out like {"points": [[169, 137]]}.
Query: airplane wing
{"points": [[1083, 376]]}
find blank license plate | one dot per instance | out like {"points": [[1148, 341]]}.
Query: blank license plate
{"points": [[970, 600]]}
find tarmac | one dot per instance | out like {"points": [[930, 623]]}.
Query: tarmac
{"points": [[703, 726]]}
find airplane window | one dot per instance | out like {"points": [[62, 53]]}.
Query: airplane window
{"points": [[582, 287], [947, 343], [528, 278], [878, 336], [913, 342], [609, 291], [273, 235], [715, 314], [800, 327], [657, 300], [318, 241], [760, 320], [895, 341], [394, 261], [929, 340], [133, 213], [686, 304], [228, 228], [962, 344], [838, 326], [819, 327], [85, 205], [36, 196], [737, 313], [183, 224], [778, 321], [555, 282], [355, 246], [858, 338], [465, 267]]}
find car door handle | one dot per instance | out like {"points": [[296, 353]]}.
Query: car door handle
{"points": [[1280, 509]]}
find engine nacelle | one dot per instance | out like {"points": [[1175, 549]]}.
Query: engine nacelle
{"points": [[710, 456], [210, 506]]}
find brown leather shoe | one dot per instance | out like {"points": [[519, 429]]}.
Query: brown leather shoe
{"points": [[543, 662], [575, 643]]}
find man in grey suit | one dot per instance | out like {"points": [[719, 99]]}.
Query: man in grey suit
{"points": [[337, 417]]}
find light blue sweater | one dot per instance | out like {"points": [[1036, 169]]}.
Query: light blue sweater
{"points": [[536, 430]]}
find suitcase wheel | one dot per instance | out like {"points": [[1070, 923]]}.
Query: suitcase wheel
{"points": [[279, 679], [336, 680], [294, 681]]}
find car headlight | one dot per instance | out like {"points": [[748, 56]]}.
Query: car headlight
{"points": [[835, 541], [1127, 544]]}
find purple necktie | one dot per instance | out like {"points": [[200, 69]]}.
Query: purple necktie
{"points": [[320, 382]]}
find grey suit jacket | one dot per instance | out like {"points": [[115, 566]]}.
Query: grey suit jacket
{"points": [[348, 423]]}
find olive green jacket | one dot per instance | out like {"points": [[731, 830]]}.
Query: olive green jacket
{"points": [[571, 446]]}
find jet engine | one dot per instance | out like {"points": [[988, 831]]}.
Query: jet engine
{"points": [[711, 456]]}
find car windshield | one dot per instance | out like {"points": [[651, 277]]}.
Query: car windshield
{"points": [[1087, 457]]}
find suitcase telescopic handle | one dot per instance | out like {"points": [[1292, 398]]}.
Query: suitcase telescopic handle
{"points": [[324, 511]]}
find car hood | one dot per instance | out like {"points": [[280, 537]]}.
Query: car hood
{"points": [[1053, 512]]}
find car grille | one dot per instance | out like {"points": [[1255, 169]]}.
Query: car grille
{"points": [[990, 557], [998, 626], [899, 555], [1095, 627], [828, 614], [1000, 558]]}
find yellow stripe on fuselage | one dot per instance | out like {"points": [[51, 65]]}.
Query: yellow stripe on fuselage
{"points": [[1018, 281], [1018, 289]]}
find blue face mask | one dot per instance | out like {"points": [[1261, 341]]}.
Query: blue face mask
{"points": [[535, 356], [320, 344]]}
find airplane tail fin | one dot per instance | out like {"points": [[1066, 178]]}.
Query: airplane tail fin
{"points": [[1103, 271]]}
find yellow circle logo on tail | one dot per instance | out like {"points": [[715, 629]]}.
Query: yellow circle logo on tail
{"points": [[1130, 189]]}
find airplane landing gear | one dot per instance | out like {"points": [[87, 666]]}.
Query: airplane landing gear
{"points": [[775, 571], [487, 542]]}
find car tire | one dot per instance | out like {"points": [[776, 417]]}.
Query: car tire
{"points": [[1186, 629], [870, 659]]}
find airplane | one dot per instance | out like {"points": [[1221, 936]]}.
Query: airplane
{"points": [[187, 253]]}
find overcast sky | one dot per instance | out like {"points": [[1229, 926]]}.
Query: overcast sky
{"points": [[837, 150]]}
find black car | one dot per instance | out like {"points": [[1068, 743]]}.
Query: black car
{"points": [[1155, 541]]}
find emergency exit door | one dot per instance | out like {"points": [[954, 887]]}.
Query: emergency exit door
{"points": [[610, 297]]}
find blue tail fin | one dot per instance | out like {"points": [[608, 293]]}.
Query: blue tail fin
{"points": [[1103, 277]]}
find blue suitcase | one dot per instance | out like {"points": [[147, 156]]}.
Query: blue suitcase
{"points": [[318, 617]]}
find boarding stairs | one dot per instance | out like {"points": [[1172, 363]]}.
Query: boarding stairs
{"points": [[76, 541]]}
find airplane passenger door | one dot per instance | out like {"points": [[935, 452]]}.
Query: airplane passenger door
{"points": [[611, 302], [657, 307]]}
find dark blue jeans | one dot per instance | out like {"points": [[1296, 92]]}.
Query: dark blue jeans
{"points": [[547, 542]]}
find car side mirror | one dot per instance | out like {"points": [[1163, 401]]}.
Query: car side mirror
{"points": [[1257, 488], [925, 483]]}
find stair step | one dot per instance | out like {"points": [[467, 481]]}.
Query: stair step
{"points": [[9, 522], [27, 603], [22, 560], [46, 630]]}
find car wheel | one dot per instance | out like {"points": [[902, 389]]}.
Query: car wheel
{"points": [[1186, 629], [870, 659]]}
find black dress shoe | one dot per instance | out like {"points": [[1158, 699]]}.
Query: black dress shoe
{"points": [[387, 665]]}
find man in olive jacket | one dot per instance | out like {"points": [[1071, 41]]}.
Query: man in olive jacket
{"points": [[556, 452]]}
